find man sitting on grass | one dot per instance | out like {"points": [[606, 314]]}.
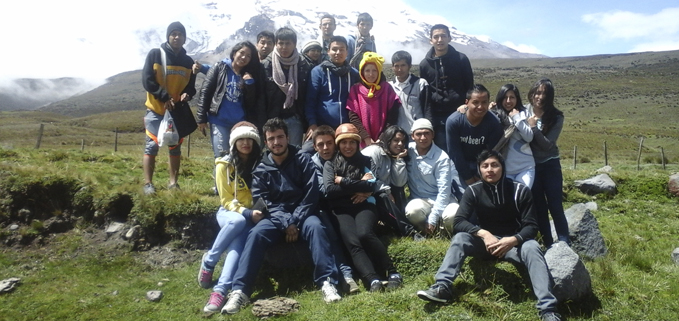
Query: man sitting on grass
{"points": [[506, 231]]}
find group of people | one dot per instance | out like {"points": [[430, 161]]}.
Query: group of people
{"points": [[338, 159]]}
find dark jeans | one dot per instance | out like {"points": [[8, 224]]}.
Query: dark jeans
{"points": [[547, 194], [527, 254], [265, 234], [440, 137], [393, 213], [367, 251]]}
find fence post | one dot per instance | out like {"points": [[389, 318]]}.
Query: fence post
{"points": [[37, 144], [662, 157], [575, 156], [605, 154], [641, 144], [115, 146], [188, 148], [82, 145]]}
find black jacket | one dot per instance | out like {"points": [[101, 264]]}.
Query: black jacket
{"points": [[274, 97], [450, 77], [339, 195], [212, 93]]}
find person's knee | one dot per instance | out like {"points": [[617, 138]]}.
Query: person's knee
{"points": [[530, 248], [462, 238], [448, 217], [417, 211]]}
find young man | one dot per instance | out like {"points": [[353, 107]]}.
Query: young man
{"points": [[265, 43], [430, 177], [287, 182], [328, 88], [323, 140], [507, 226], [286, 83], [361, 41], [412, 90], [449, 75], [178, 86], [327, 27], [471, 133]]}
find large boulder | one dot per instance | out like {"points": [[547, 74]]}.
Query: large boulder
{"points": [[673, 184], [571, 278], [600, 184], [583, 231]]}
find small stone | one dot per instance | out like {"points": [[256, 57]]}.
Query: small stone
{"points": [[161, 284], [673, 184], [115, 292], [639, 238], [675, 256], [133, 233], [605, 169], [154, 296], [8, 285], [14, 227], [274, 307], [600, 184], [115, 227], [592, 206]]}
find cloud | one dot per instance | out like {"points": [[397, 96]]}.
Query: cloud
{"points": [[522, 47], [650, 32]]}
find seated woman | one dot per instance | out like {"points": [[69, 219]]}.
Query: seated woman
{"points": [[389, 157], [373, 104], [349, 186], [235, 216]]}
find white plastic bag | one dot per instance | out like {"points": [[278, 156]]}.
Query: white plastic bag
{"points": [[167, 134]]}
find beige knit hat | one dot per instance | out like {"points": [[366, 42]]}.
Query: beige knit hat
{"points": [[243, 129], [421, 123]]}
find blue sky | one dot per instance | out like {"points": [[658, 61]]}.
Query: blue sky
{"points": [[564, 28]]}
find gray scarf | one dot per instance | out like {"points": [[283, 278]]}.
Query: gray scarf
{"points": [[288, 86]]}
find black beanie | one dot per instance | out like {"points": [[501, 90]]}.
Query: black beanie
{"points": [[175, 26]]}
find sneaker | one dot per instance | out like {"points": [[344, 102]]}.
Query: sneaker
{"points": [[376, 286], [417, 237], [204, 274], [329, 292], [550, 316], [352, 286], [149, 189], [173, 186], [215, 303], [438, 292], [237, 300], [395, 281]]}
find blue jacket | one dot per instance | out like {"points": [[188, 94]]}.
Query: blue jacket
{"points": [[326, 99], [289, 190]]}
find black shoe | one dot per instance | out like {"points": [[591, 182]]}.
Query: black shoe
{"points": [[376, 286], [550, 316], [395, 281], [438, 292]]}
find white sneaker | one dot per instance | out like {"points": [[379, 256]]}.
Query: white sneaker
{"points": [[329, 292], [237, 300]]}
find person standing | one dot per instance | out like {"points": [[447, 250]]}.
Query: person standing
{"points": [[327, 27], [361, 41], [449, 75], [265, 44], [412, 90], [168, 79]]}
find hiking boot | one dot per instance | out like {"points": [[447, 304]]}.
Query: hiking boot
{"points": [[173, 186], [215, 303], [550, 316], [351, 286], [438, 292], [395, 281], [149, 189], [204, 274], [376, 286], [329, 292], [237, 300]]}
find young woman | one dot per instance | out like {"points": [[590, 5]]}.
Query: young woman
{"points": [[546, 122], [373, 104], [230, 94], [349, 186], [235, 216], [515, 145], [389, 157]]}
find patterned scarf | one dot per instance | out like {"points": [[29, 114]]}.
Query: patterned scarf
{"points": [[288, 86]]}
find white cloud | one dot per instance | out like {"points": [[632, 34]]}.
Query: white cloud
{"points": [[650, 32], [522, 47]]}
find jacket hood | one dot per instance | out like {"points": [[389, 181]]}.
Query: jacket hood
{"points": [[268, 161]]}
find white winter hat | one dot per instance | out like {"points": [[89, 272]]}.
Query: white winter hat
{"points": [[422, 123], [243, 130]]}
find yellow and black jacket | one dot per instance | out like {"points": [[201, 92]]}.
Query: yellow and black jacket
{"points": [[180, 78]]}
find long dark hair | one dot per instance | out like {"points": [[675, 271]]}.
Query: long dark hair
{"points": [[350, 167], [389, 134], [253, 66], [500, 110], [550, 111], [245, 167]]}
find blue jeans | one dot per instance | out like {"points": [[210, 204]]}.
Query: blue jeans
{"points": [[526, 177], [527, 254], [265, 234], [547, 194], [219, 135], [230, 239], [440, 136], [335, 246]]}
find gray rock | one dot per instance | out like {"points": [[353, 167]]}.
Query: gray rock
{"points": [[571, 278], [605, 169], [14, 227], [115, 227], [115, 292], [584, 233], [592, 206], [599, 184], [673, 184], [675, 256], [133, 233], [154, 296], [8, 285], [274, 307]]}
